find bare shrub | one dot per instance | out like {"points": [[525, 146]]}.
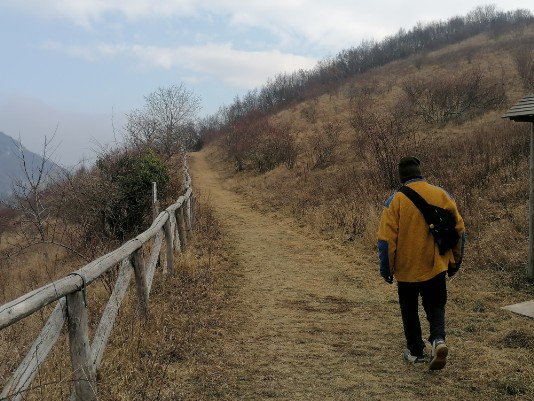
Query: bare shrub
{"points": [[485, 171], [441, 99], [309, 111], [275, 146], [469, 162], [86, 196], [241, 136], [359, 198], [524, 61], [253, 142], [323, 144], [366, 87], [7, 221], [419, 61], [35, 212], [288, 145], [29, 192], [387, 136]]}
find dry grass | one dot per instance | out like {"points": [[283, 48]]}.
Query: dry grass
{"points": [[172, 355], [186, 315], [334, 329], [218, 331], [484, 163]]}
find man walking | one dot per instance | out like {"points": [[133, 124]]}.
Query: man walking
{"points": [[408, 252]]}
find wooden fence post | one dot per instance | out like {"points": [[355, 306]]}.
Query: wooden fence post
{"points": [[111, 310], [188, 225], [140, 282], [530, 266], [169, 243], [181, 228], [176, 231], [155, 203], [84, 377]]}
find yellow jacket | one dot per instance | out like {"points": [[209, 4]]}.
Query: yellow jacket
{"points": [[406, 247]]}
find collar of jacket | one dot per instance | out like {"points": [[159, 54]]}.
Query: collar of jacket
{"points": [[413, 180]]}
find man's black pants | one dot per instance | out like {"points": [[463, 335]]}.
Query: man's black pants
{"points": [[434, 295]]}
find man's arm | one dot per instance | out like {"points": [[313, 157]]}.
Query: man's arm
{"points": [[387, 240]]}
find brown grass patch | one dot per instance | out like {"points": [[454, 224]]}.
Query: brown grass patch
{"points": [[483, 162], [172, 355]]}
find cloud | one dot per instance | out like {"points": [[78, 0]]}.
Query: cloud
{"points": [[335, 24], [314, 21], [88, 12], [245, 69]]}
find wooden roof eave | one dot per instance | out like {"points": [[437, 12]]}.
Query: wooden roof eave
{"points": [[521, 119], [522, 111]]}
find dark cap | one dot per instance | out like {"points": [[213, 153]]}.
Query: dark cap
{"points": [[409, 168]]}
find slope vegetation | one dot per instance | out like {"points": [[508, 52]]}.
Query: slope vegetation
{"points": [[325, 166], [314, 321]]}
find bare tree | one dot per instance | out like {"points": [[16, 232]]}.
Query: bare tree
{"points": [[453, 97], [28, 191], [142, 129], [386, 136], [31, 200], [165, 121]]}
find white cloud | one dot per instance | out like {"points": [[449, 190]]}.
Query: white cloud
{"points": [[332, 24], [88, 12], [241, 68], [74, 51], [338, 24], [246, 69]]}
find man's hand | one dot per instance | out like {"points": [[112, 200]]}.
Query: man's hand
{"points": [[453, 269], [388, 279]]}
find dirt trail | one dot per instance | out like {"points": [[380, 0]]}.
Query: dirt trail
{"points": [[319, 324]]}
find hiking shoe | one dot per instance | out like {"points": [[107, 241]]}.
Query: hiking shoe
{"points": [[414, 358], [439, 354]]}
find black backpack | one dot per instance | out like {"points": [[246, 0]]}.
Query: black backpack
{"points": [[441, 222]]}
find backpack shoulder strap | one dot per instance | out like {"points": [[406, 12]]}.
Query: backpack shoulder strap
{"points": [[417, 200]]}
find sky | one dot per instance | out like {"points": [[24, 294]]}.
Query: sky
{"points": [[71, 70]]}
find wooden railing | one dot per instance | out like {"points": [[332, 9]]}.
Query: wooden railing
{"points": [[174, 224]]}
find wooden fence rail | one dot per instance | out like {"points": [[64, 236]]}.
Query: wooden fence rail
{"points": [[174, 224]]}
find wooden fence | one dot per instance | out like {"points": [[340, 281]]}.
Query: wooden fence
{"points": [[174, 224]]}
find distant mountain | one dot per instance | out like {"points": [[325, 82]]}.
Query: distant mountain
{"points": [[11, 165]]}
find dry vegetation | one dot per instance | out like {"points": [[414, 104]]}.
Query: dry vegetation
{"points": [[465, 147], [328, 164], [174, 355], [171, 355], [445, 107]]}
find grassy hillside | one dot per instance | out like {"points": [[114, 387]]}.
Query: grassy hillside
{"points": [[347, 143], [329, 163], [343, 149]]}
